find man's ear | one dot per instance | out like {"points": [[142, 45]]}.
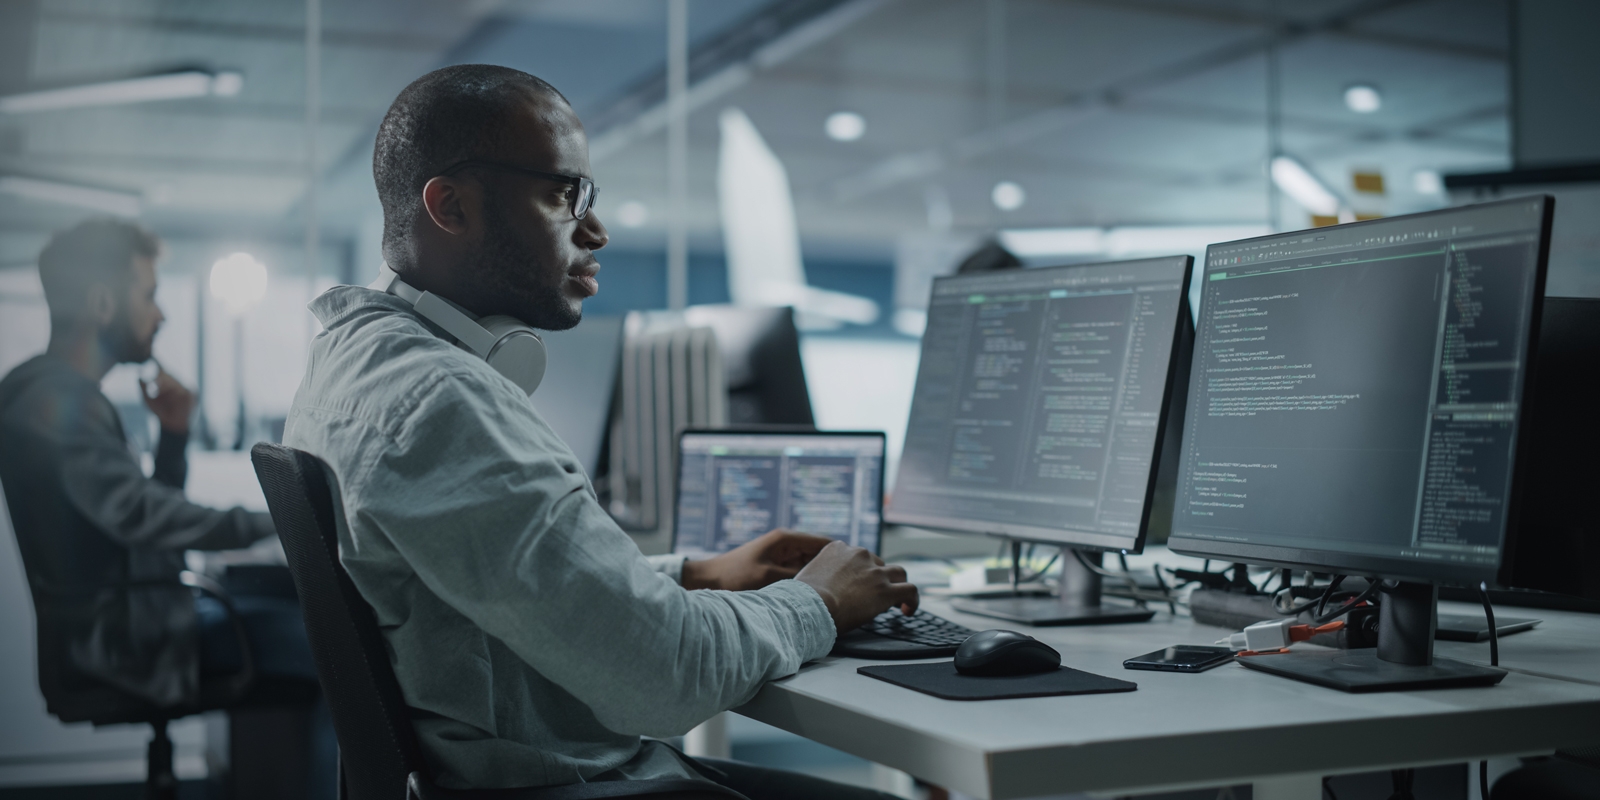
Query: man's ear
{"points": [[446, 203], [99, 304]]}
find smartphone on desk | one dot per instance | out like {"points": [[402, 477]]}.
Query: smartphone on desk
{"points": [[1182, 658]]}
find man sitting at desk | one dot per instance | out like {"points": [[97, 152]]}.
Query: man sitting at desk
{"points": [[533, 640], [102, 543]]}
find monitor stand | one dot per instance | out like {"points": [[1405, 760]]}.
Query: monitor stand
{"points": [[1402, 661], [1077, 602]]}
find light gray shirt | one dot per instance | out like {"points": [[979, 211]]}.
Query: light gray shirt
{"points": [[534, 641]]}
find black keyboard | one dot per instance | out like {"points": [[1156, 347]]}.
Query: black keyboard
{"points": [[892, 635]]}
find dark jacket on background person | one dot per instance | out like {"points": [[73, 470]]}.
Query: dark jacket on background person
{"points": [[103, 544]]}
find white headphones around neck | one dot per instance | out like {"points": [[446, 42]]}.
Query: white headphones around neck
{"points": [[508, 344]]}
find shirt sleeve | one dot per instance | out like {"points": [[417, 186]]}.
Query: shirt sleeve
{"points": [[670, 565], [476, 499], [104, 483], [171, 461]]}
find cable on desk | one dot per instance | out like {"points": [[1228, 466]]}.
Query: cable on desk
{"points": [[1172, 605], [1494, 634], [1332, 587], [1133, 585], [1349, 605], [1295, 611], [1494, 661]]}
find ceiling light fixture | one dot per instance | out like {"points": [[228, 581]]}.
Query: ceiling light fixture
{"points": [[168, 86], [1363, 98], [1008, 196], [1305, 188], [239, 281], [109, 201], [845, 126], [1427, 181]]}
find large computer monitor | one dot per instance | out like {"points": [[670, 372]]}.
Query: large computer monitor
{"points": [[761, 358], [1041, 405], [1355, 404]]}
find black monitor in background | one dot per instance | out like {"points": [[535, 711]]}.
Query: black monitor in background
{"points": [[761, 359], [735, 485], [580, 376], [1044, 400], [1355, 406], [1556, 546]]}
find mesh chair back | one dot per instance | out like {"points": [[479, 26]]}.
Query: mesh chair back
{"points": [[377, 747]]}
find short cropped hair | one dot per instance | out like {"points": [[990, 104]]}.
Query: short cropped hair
{"points": [[445, 116], [93, 251]]}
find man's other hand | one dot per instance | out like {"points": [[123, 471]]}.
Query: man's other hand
{"points": [[856, 585], [772, 557], [169, 401]]}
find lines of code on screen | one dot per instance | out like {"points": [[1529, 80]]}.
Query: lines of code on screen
{"points": [[1356, 391], [1038, 400], [734, 487]]}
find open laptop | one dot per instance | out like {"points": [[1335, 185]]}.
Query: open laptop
{"points": [[735, 485]]}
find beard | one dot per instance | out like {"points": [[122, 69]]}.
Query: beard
{"points": [[515, 274], [122, 343]]}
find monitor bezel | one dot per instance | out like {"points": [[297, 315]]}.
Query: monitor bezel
{"points": [[779, 430], [1388, 566], [1094, 541]]}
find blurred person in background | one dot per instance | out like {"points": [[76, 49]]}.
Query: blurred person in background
{"points": [[89, 522]]}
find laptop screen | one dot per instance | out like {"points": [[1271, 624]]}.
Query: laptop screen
{"points": [[734, 486]]}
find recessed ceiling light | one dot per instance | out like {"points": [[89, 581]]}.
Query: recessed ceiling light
{"points": [[1008, 196], [1363, 98], [845, 126], [632, 214], [1427, 181]]}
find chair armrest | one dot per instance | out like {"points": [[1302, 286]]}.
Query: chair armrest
{"points": [[246, 677], [418, 788]]}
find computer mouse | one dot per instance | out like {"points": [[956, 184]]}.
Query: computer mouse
{"points": [[1000, 653]]}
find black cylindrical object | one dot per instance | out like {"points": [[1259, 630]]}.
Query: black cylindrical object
{"points": [[1406, 622]]}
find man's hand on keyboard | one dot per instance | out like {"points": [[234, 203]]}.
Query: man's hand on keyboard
{"points": [[856, 585], [772, 557]]}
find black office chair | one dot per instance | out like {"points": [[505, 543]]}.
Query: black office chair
{"points": [[70, 697], [379, 758]]}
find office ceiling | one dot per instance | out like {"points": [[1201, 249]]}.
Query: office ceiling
{"points": [[1106, 112]]}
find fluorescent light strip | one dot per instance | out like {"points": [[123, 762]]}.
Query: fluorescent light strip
{"points": [[1123, 241], [1307, 189], [171, 86], [121, 204]]}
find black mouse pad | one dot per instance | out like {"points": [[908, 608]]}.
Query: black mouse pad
{"points": [[940, 679]]}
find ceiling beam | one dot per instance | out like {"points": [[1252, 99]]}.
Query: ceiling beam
{"points": [[765, 39], [1341, 25]]}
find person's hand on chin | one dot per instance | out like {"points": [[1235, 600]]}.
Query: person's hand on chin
{"points": [[772, 557]]}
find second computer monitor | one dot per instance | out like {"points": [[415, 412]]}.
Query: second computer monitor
{"points": [[1041, 402]]}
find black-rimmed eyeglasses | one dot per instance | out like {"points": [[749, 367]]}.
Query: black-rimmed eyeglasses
{"points": [[582, 199]]}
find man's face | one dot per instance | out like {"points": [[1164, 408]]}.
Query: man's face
{"points": [[535, 259], [131, 332]]}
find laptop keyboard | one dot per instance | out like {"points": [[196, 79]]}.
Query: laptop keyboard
{"points": [[919, 628]]}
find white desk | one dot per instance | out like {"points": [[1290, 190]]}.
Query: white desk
{"points": [[1565, 645], [1226, 726]]}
